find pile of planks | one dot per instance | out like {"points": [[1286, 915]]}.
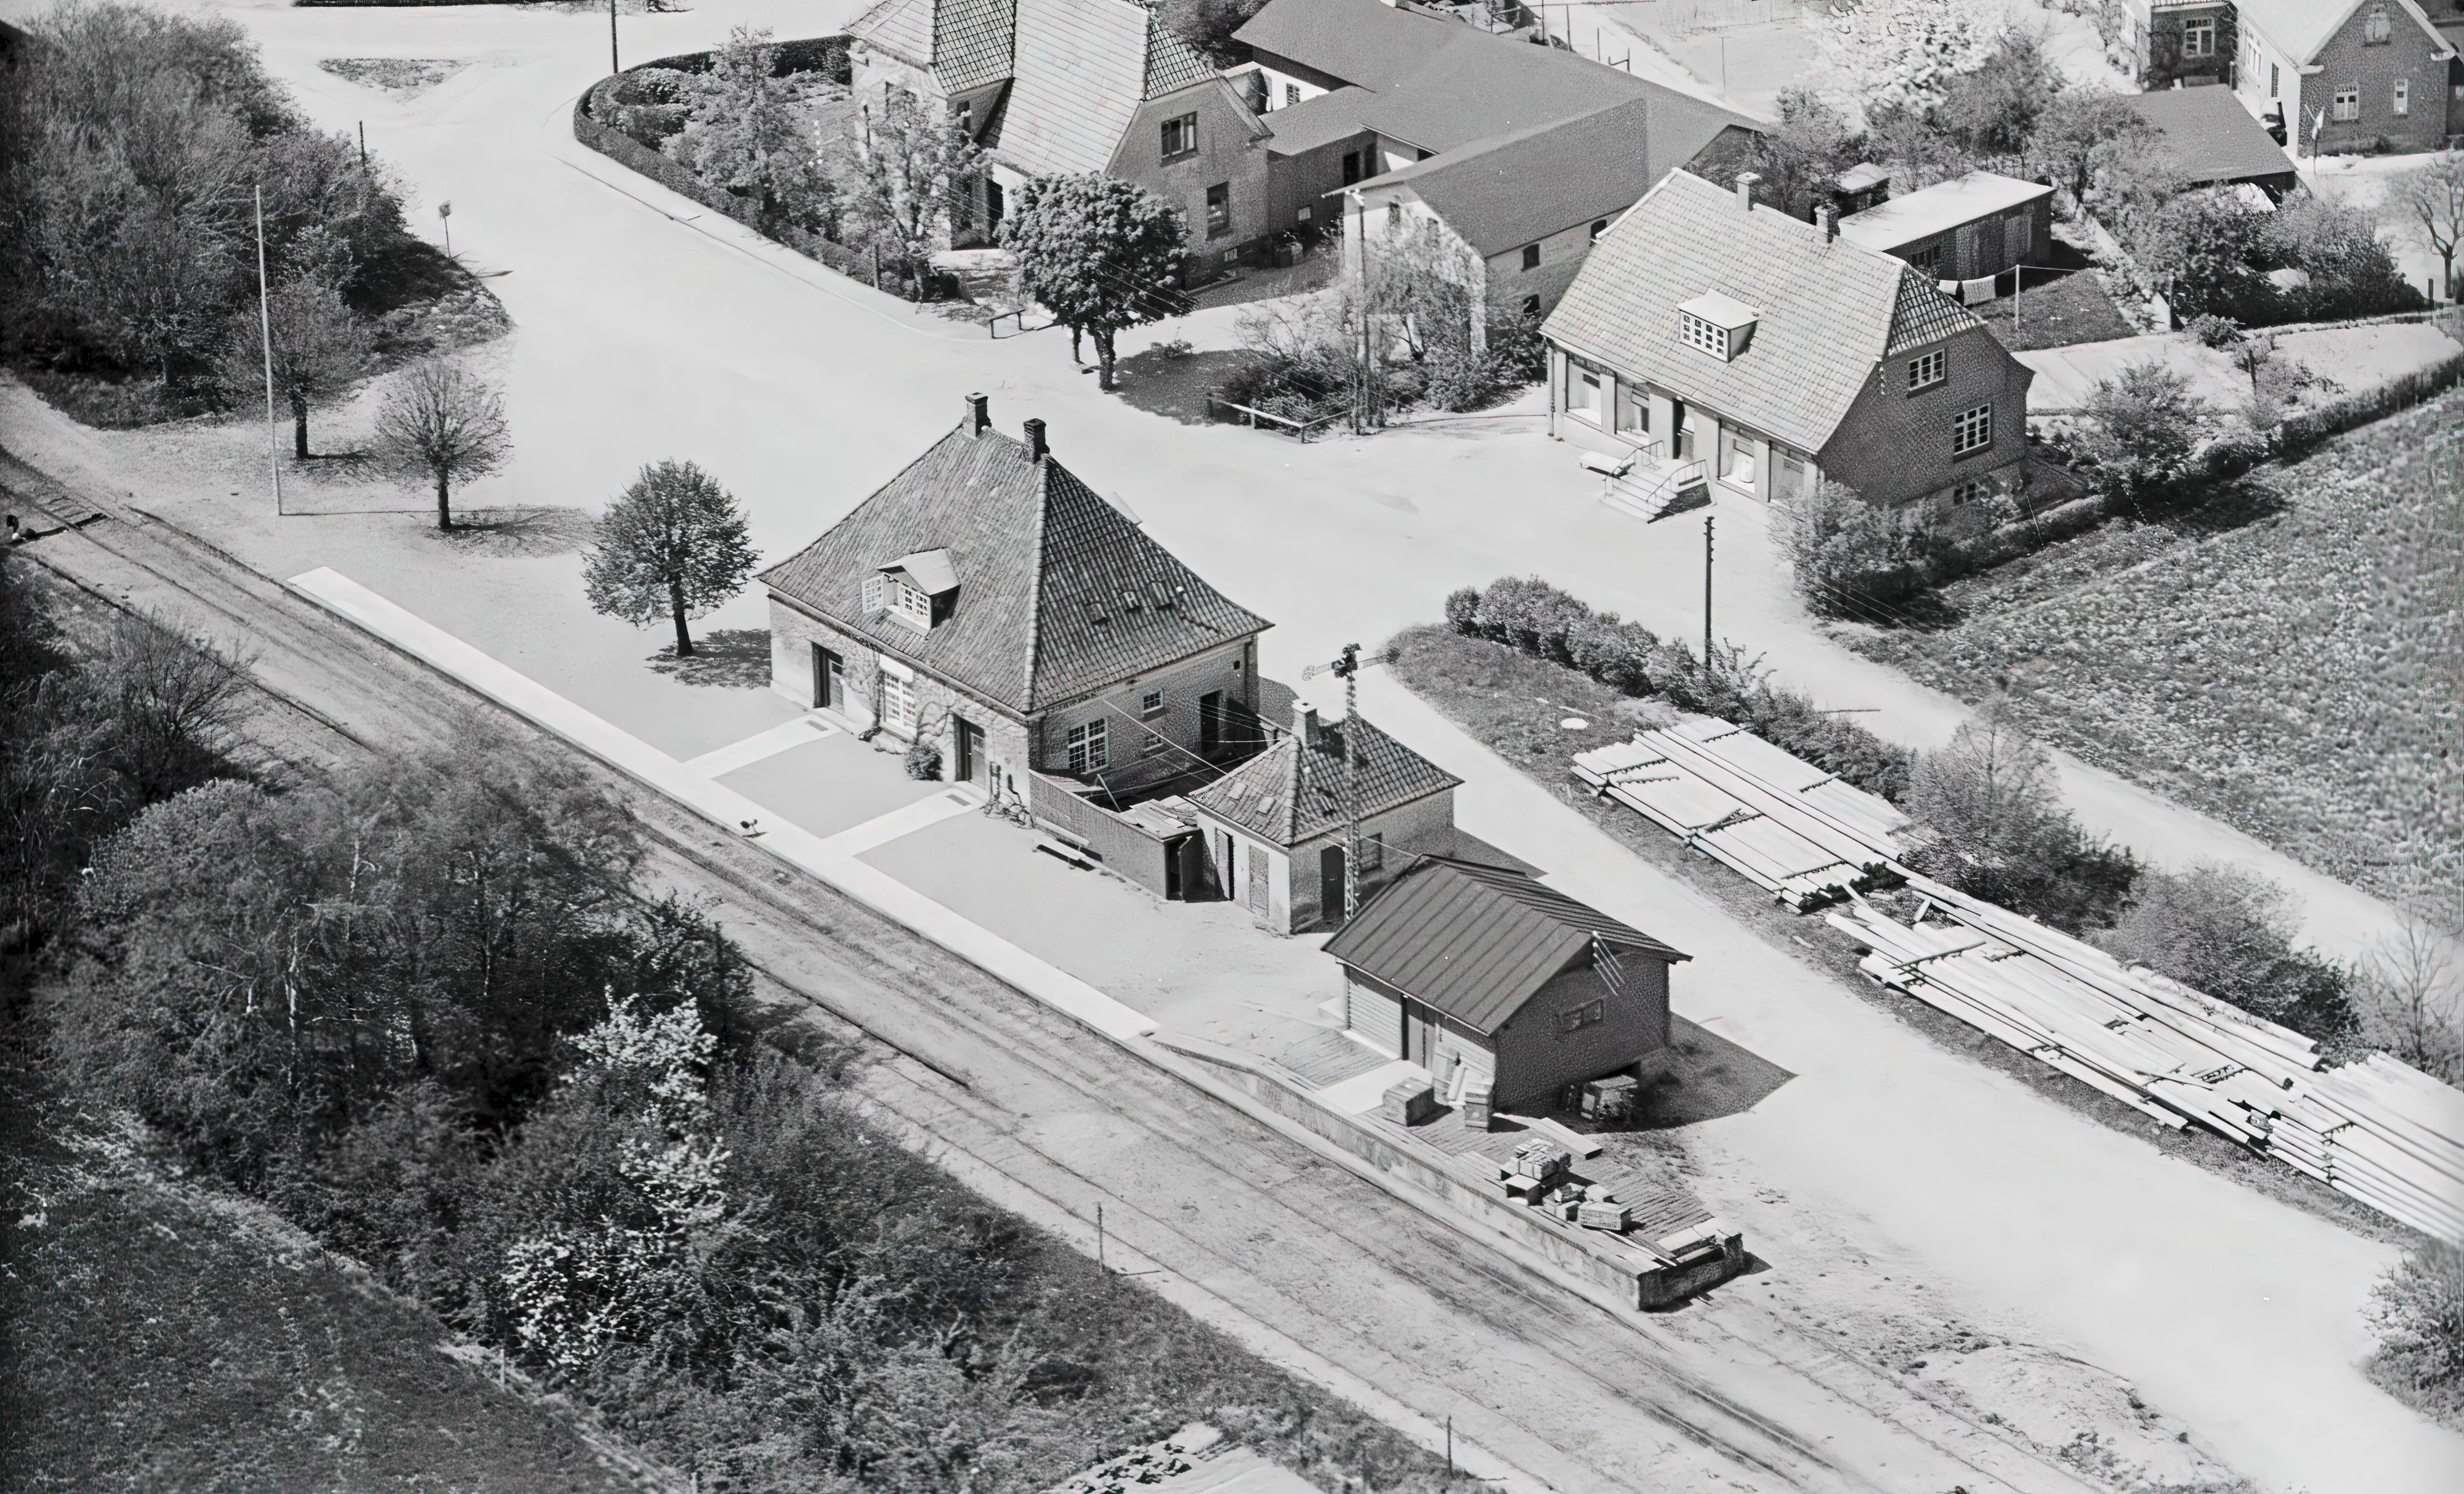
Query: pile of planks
{"points": [[2386, 1133], [2379, 1132], [1788, 827]]}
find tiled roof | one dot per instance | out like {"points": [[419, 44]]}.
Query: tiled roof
{"points": [[901, 27], [1059, 593], [1502, 193], [1172, 63], [2210, 137], [1474, 941], [1939, 209], [972, 42], [1293, 791], [1830, 308]]}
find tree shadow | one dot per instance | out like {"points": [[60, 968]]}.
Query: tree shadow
{"points": [[526, 532], [726, 658], [1176, 386]]}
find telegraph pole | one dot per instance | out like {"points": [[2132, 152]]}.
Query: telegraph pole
{"points": [[1348, 670], [613, 66], [1706, 593], [265, 330]]}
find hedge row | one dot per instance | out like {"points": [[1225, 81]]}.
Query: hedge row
{"points": [[1532, 617]]}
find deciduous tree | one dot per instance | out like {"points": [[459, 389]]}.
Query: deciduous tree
{"points": [[2142, 426], [1802, 157], [1100, 253], [2075, 126], [2228, 931], [674, 544], [320, 348], [745, 133], [2429, 200], [447, 424], [909, 172]]}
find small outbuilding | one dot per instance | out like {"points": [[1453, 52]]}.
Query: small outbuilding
{"points": [[1499, 984], [2210, 139], [1971, 227], [1274, 827]]}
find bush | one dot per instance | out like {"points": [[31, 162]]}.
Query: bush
{"points": [[2214, 331], [1849, 558], [2417, 1310], [922, 759], [2002, 834], [2142, 424], [1536, 618], [2228, 931]]}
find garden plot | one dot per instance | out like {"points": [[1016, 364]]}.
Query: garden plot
{"points": [[2355, 358], [2284, 675]]}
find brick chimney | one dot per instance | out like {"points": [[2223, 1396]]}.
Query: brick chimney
{"points": [[1036, 449], [1746, 181], [1305, 723], [1827, 218], [980, 414]]}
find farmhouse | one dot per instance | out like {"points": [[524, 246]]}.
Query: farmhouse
{"points": [[988, 602], [2349, 75], [1275, 826], [1068, 87], [1971, 228], [1491, 980], [1518, 155], [1711, 331]]}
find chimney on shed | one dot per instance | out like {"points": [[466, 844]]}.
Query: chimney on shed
{"points": [[1036, 449], [1305, 723], [980, 414], [1827, 218], [1746, 181]]}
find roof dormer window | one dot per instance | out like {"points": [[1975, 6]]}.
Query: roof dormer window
{"points": [[920, 590], [1717, 325]]}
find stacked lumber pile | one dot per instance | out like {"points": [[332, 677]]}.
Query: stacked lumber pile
{"points": [[1783, 824], [2386, 1133], [2154, 1045], [2379, 1132]]}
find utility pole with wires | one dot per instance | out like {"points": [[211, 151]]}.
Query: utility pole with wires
{"points": [[265, 331], [613, 66], [1706, 593], [1347, 669]]}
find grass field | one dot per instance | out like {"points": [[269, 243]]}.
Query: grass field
{"points": [[163, 1336], [2285, 658]]}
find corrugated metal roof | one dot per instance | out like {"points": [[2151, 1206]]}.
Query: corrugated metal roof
{"points": [[1830, 308], [1475, 942], [1082, 69], [1058, 594], [1359, 41], [1293, 791]]}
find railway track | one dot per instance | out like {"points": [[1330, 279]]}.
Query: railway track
{"points": [[1240, 1219]]}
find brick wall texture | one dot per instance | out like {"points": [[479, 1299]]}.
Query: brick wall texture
{"points": [[1894, 446]]}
